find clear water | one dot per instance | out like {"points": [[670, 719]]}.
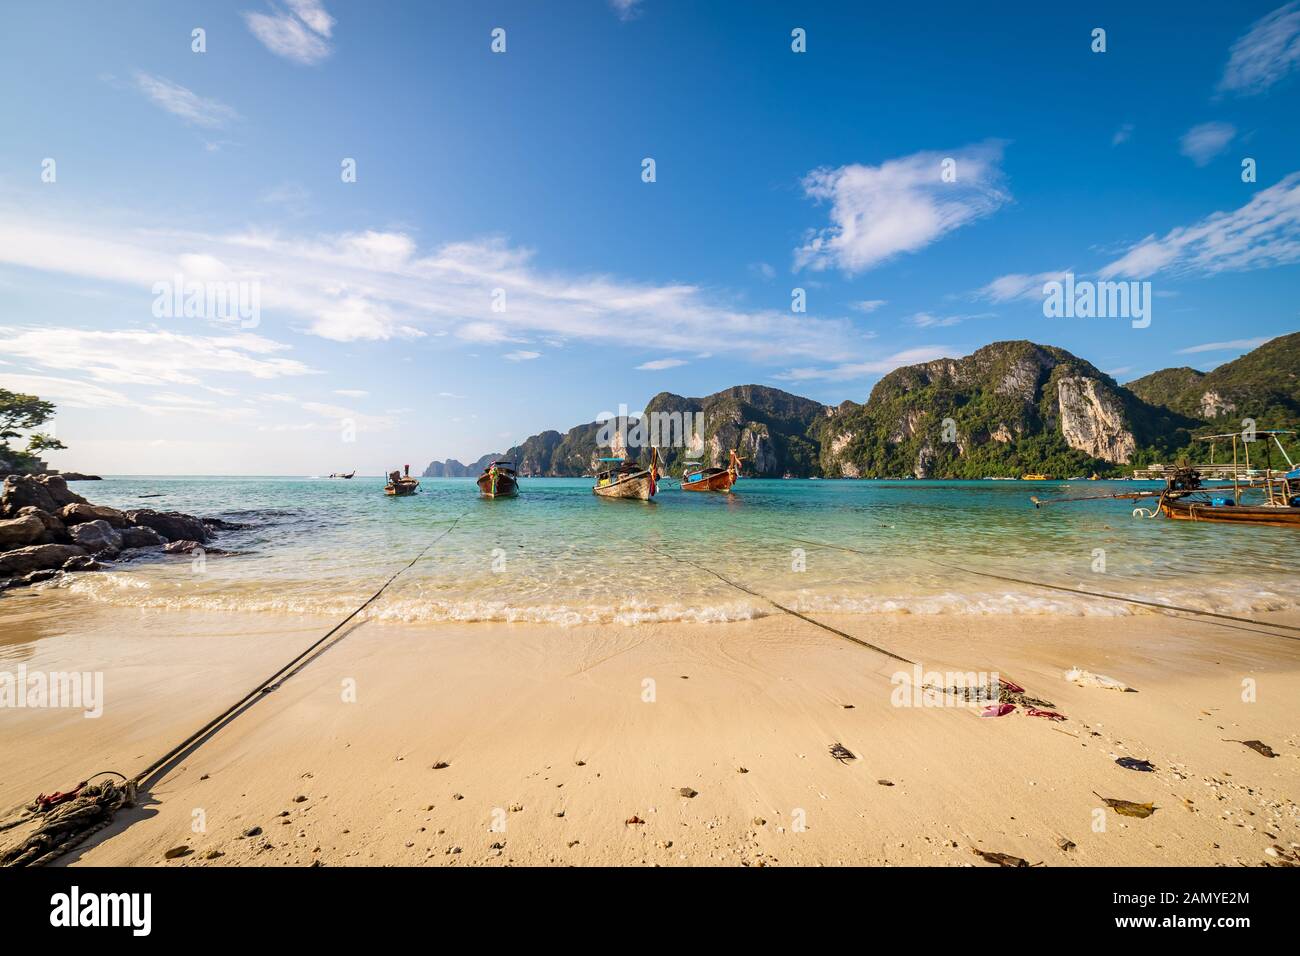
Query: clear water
{"points": [[559, 554]]}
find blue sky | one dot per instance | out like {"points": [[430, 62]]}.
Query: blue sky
{"points": [[376, 341]]}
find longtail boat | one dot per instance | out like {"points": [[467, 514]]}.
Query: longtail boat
{"points": [[1186, 498], [627, 479], [400, 485], [695, 478], [499, 480], [349, 475]]}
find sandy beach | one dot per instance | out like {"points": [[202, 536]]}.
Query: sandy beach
{"points": [[554, 738]]}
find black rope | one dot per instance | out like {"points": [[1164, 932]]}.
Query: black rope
{"points": [[781, 607], [1059, 587]]}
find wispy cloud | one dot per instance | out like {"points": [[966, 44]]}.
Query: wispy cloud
{"points": [[660, 364], [147, 357], [1202, 143], [626, 9], [1265, 232], [300, 33], [1019, 285], [849, 371], [186, 104], [1235, 345], [1267, 52], [927, 320], [867, 306], [1122, 135], [376, 286], [902, 205], [351, 392], [521, 355]]}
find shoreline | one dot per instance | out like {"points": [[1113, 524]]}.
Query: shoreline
{"points": [[512, 709]]}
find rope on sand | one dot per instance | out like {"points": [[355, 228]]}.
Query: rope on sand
{"points": [[68, 819], [1059, 587], [781, 607]]}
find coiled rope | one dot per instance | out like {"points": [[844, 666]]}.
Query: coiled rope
{"points": [[68, 819]]}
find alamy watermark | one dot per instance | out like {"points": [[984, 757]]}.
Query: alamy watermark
{"points": [[917, 688], [1085, 299], [657, 429], [76, 690], [235, 301]]}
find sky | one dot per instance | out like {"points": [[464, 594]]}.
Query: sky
{"points": [[427, 230]]}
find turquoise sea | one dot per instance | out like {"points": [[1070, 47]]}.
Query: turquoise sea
{"points": [[559, 554]]}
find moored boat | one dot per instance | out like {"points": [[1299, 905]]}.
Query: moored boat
{"points": [[627, 479], [695, 478], [499, 480], [401, 484], [341, 475]]}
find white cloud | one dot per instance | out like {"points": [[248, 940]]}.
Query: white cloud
{"points": [[902, 205], [855, 370], [660, 364], [351, 392], [1264, 232], [1019, 285], [521, 355], [65, 392], [1268, 51], [147, 357], [376, 286], [301, 34], [626, 9], [186, 104], [1236, 345], [867, 306], [1122, 135], [1202, 143]]}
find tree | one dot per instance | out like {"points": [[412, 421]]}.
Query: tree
{"points": [[24, 413]]}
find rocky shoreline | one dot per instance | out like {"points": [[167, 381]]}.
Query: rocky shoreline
{"points": [[47, 530]]}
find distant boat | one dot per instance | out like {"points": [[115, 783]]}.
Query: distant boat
{"points": [[401, 485], [627, 479], [348, 475], [499, 480], [1034, 477], [695, 478], [787, 476]]}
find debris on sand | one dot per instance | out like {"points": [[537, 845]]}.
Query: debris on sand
{"points": [[1133, 763], [842, 753], [633, 820], [1261, 748], [1001, 859], [1064, 845], [1077, 675], [1049, 714], [688, 793], [1127, 808]]}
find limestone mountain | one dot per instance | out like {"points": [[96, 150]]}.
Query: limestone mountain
{"points": [[451, 468], [1006, 409], [1263, 384]]}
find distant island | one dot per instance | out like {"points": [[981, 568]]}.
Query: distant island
{"points": [[1007, 409]]}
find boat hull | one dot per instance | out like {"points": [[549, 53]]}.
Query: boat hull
{"points": [[506, 486], [639, 486], [402, 490], [719, 481], [1181, 510]]}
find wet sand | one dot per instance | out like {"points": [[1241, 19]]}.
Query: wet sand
{"points": [[554, 738]]}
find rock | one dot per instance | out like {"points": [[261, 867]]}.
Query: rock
{"points": [[38, 557], [180, 547], [176, 852], [36, 577], [21, 491], [55, 530], [1092, 420], [253, 831], [140, 537], [78, 476], [172, 525], [213, 855], [82, 563], [688, 793], [20, 532], [97, 537], [57, 488], [80, 512]]}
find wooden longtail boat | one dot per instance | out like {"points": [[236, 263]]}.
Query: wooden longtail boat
{"points": [[627, 479], [348, 475], [400, 485], [499, 480], [695, 478], [1185, 498]]}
